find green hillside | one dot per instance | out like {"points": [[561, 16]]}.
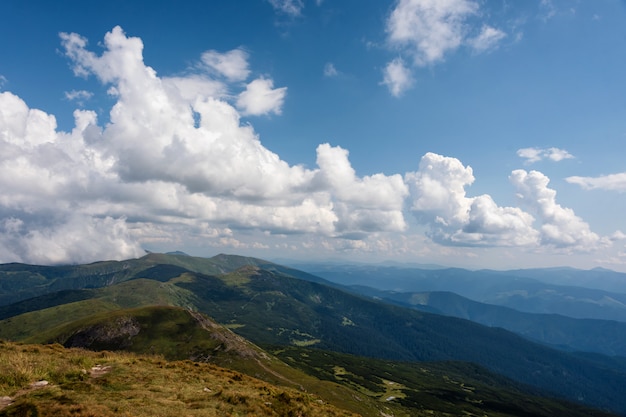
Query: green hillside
{"points": [[360, 385], [20, 281], [456, 388], [267, 305]]}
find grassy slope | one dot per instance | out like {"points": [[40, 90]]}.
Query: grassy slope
{"points": [[138, 386], [178, 334], [129, 294]]}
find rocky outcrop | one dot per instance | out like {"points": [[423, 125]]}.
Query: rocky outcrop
{"points": [[114, 334]]}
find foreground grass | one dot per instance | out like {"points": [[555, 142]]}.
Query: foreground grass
{"points": [[84, 383]]}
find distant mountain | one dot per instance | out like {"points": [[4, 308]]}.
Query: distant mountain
{"points": [[519, 290], [177, 252], [589, 335], [21, 281], [596, 278], [273, 305], [330, 264]]}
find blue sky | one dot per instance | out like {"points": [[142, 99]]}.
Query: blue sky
{"points": [[480, 134]]}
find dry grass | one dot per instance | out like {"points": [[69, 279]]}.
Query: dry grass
{"points": [[138, 386]]}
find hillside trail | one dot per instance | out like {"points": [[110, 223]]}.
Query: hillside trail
{"points": [[239, 345], [94, 372]]}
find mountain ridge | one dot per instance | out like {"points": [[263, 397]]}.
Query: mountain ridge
{"points": [[588, 335]]}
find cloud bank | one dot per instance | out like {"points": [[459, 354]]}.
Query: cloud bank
{"points": [[174, 154], [176, 164]]}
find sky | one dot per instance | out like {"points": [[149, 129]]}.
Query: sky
{"points": [[466, 133]]}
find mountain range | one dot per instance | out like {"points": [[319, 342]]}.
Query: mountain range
{"points": [[299, 315], [595, 294]]}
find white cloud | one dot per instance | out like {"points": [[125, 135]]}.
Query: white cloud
{"points": [[194, 87], [21, 126], [560, 226], [330, 70], [233, 64], [533, 155], [428, 29], [173, 164], [530, 154], [78, 95], [291, 8], [439, 201], [79, 239], [397, 77], [558, 155], [260, 97], [3, 80], [487, 39], [612, 182], [371, 203]]}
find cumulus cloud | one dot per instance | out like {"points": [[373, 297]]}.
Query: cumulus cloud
{"points": [[173, 160], [397, 77], [260, 97], [428, 30], [371, 203], [43, 175], [439, 200], [79, 239], [560, 226], [233, 64], [532, 155], [612, 182]]}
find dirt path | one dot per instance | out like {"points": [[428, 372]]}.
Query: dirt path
{"points": [[277, 375], [240, 345]]}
